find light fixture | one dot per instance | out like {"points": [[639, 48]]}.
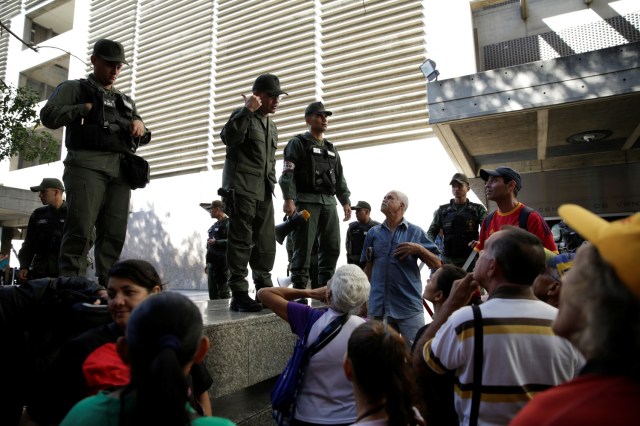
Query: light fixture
{"points": [[429, 70], [589, 136]]}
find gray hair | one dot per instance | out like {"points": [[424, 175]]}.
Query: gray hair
{"points": [[349, 288], [402, 197], [612, 313]]}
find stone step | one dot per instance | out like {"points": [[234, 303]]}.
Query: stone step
{"points": [[246, 348], [250, 406]]}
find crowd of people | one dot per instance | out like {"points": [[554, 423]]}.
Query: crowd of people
{"points": [[520, 334]]}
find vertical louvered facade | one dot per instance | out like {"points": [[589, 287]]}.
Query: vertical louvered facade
{"points": [[192, 60], [8, 10], [370, 76], [173, 83]]}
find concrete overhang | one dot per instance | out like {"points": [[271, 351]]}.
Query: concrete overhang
{"points": [[522, 116], [16, 206]]}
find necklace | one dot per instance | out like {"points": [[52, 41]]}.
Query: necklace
{"points": [[369, 412]]}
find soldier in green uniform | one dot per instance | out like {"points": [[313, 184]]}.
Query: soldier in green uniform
{"points": [[216, 269], [248, 179], [312, 178], [41, 247], [459, 221], [102, 128], [358, 231]]}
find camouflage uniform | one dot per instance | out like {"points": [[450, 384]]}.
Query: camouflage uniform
{"points": [[460, 225]]}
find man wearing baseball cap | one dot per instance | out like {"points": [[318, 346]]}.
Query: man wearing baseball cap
{"points": [[103, 129], [311, 180], [599, 313], [41, 247], [358, 231], [502, 186], [459, 221], [248, 179]]}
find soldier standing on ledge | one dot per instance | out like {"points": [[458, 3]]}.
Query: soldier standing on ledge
{"points": [[102, 128], [313, 177], [459, 221], [248, 179], [358, 231], [217, 272], [41, 247]]}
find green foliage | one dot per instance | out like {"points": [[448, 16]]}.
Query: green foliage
{"points": [[19, 127]]}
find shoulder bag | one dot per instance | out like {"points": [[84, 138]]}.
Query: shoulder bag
{"points": [[285, 391]]}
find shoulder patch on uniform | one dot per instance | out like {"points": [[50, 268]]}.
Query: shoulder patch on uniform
{"points": [[127, 103], [288, 166]]}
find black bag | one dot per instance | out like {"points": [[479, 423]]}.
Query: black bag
{"points": [[285, 391], [136, 170]]}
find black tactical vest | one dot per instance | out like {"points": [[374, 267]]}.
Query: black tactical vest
{"points": [[49, 227], [459, 228], [107, 126], [358, 233], [317, 174], [219, 231]]}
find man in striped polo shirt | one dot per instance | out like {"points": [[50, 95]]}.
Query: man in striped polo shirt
{"points": [[521, 355]]}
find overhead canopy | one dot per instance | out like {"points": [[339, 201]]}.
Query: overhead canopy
{"points": [[16, 206], [523, 116]]}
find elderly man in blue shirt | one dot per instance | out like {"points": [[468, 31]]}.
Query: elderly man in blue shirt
{"points": [[391, 251]]}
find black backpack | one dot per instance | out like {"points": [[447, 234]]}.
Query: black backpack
{"points": [[522, 219]]}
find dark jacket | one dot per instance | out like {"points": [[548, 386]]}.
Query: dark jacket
{"points": [[219, 231], [250, 165], [41, 247]]}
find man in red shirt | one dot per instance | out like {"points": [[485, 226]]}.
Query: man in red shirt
{"points": [[502, 186]]}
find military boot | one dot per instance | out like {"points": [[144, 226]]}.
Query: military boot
{"points": [[241, 302]]}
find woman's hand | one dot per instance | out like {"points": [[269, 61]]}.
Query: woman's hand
{"points": [[319, 293]]}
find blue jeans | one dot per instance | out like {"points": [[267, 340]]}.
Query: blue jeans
{"points": [[407, 327]]}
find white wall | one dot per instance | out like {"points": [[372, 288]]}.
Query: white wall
{"points": [[449, 37]]}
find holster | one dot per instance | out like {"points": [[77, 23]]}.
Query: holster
{"points": [[228, 201]]}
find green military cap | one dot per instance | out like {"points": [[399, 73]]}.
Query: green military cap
{"points": [[462, 178], [109, 50], [268, 83], [48, 183], [316, 108], [361, 205]]}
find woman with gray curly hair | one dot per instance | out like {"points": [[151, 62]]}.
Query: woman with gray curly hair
{"points": [[325, 395]]}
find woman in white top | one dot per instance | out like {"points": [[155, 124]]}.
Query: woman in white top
{"points": [[325, 396]]}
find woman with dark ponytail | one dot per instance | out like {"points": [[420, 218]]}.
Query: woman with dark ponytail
{"points": [[89, 363], [377, 364], [163, 340]]}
